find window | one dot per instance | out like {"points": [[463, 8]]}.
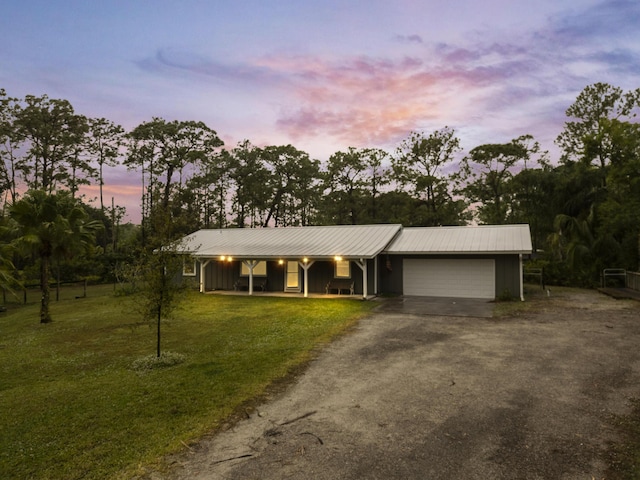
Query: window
{"points": [[343, 269], [260, 269], [189, 268], [293, 277]]}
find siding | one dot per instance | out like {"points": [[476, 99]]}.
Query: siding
{"points": [[508, 275]]}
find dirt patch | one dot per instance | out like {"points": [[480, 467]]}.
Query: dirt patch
{"points": [[409, 396]]}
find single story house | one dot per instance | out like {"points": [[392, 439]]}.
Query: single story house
{"points": [[466, 262]]}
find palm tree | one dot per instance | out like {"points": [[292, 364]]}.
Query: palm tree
{"points": [[49, 226], [578, 242], [8, 280]]}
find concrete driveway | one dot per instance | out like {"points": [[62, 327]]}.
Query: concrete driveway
{"points": [[409, 396]]}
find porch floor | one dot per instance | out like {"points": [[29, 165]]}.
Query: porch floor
{"points": [[244, 293]]}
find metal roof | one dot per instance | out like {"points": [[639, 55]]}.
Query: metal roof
{"points": [[462, 240], [348, 241]]}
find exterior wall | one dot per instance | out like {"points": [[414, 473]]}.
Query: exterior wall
{"points": [[220, 275], [371, 274], [223, 275], [508, 275], [275, 276], [390, 274], [507, 272]]}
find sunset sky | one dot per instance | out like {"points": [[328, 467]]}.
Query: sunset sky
{"points": [[321, 75]]}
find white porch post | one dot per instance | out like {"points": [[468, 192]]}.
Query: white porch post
{"points": [[305, 268], [521, 280], [362, 263], [250, 265], [203, 265]]}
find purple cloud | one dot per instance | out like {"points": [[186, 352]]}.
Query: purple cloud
{"points": [[414, 38]]}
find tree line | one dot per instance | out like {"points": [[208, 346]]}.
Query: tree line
{"points": [[583, 208]]}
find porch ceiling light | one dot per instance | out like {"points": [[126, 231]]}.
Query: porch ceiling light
{"points": [[337, 258], [280, 262], [305, 260], [222, 258]]}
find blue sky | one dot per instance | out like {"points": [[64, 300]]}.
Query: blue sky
{"points": [[322, 75]]}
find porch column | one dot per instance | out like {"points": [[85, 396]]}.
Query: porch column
{"points": [[305, 268], [203, 265], [250, 265], [521, 279], [375, 276], [362, 263]]}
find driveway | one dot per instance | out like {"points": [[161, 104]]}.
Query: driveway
{"points": [[405, 396], [455, 307]]}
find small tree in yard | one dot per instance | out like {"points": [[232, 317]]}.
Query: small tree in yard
{"points": [[160, 290], [157, 276]]}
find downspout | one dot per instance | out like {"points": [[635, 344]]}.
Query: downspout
{"points": [[521, 279]]}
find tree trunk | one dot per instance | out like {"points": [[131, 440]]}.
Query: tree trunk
{"points": [[167, 188], [158, 336], [160, 301], [45, 316]]}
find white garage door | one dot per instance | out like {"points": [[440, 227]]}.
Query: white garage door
{"points": [[449, 278]]}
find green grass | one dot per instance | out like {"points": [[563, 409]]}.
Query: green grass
{"points": [[507, 308], [72, 405]]}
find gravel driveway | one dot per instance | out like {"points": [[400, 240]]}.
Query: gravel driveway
{"points": [[408, 396]]}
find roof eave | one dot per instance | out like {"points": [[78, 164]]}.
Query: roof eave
{"points": [[466, 252], [282, 257]]}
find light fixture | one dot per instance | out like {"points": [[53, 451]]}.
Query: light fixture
{"points": [[222, 258], [305, 260], [338, 258], [229, 259], [280, 262]]}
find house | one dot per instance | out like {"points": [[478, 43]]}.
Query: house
{"points": [[365, 260]]}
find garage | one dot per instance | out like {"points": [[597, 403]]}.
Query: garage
{"points": [[468, 278]]}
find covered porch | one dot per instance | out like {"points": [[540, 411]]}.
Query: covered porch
{"points": [[322, 277], [312, 260]]}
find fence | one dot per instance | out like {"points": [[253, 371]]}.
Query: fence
{"points": [[633, 280], [534, 273], [613, 277], [30, 293]]}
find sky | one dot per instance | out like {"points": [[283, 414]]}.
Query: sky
{"points": [[322, 75]]}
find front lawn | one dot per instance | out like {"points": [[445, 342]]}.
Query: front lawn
{"points": [[72, 406]]}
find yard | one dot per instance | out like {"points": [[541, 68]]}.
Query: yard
{"points": [[72, 405]]}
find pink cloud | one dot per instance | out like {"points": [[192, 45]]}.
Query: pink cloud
{"points": [[127, 196], [364, 100]]}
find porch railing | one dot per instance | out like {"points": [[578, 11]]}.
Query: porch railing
{"points": [[613, 277], [633, 280]]}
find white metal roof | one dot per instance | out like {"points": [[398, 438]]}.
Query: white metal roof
{"points": [[349, 241], [462, 240]]}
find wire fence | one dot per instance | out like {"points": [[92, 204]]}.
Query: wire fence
{"points": [[31, 293]]}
